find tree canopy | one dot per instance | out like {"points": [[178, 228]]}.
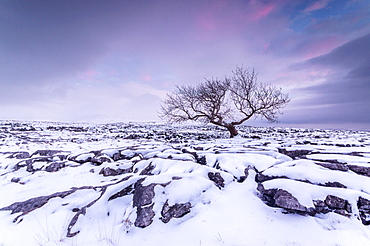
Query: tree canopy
{"points": [[225, 102]]}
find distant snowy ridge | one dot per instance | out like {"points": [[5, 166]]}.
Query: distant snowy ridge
{"points": [[65, 184]]}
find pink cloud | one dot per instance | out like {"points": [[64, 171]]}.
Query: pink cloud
{"points": [[262, 13], [316, 6], [207, 22], [211, 21], [90, 75], [266, 47], [321, 47], [147, 78], [207, 26], [318, 72], [256, 10], [222, 19]]}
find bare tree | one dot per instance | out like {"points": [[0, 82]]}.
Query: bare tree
{"points": [[227, 103]]}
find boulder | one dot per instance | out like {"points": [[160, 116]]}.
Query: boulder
{"points": [[284, 199], [338, 204]]}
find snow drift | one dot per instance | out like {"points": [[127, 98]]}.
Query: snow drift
{"points": [[151, 184]]}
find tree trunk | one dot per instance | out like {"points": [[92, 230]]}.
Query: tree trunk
{"points": [[229, 126], [232, 130]]}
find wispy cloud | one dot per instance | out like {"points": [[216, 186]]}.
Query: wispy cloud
{"points": [[316, 6], [345, 92]]}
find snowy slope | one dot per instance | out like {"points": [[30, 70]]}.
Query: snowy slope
{"points": [[152, 184]]}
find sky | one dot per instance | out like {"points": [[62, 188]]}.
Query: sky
{"points": [[115, 61]]}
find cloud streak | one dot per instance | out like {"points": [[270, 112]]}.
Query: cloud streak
{"points": [[345, 95]]}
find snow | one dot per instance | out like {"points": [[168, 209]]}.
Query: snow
{"points": [[306, 170], [340, 158], [168, 157]]}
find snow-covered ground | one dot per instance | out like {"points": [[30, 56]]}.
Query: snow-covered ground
{"points": [[153, 184]]}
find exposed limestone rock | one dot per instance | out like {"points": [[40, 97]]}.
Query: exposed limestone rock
{"points": [[117, 156], [107, 171], [199, 159], [83, 211], [125, 154], [333, 166], [217, 179], [284, 199], [125, 191], [33, 203], [364, 209], [202, 160], [334, 184], [46, 152], [144, 216], [55, 166], [20, 155], [100, 159], [82, 158], [339, 205], [320, 207], [147, 170], [262, 178], [294, 154], [143, 196], [28, 163], [143, 200], [267, 195], [176, 211], [360, 170], [15, 180], [246, 173]]}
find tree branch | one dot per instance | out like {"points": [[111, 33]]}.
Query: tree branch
{"points": [[214, 101]]}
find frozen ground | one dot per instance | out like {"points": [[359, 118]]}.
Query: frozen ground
{"points": [[151, 184]]}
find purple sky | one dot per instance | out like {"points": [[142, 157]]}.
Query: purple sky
{"points": [[108, 60]]}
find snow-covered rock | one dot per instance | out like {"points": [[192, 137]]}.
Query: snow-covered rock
{"points": [[136, 184]]}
